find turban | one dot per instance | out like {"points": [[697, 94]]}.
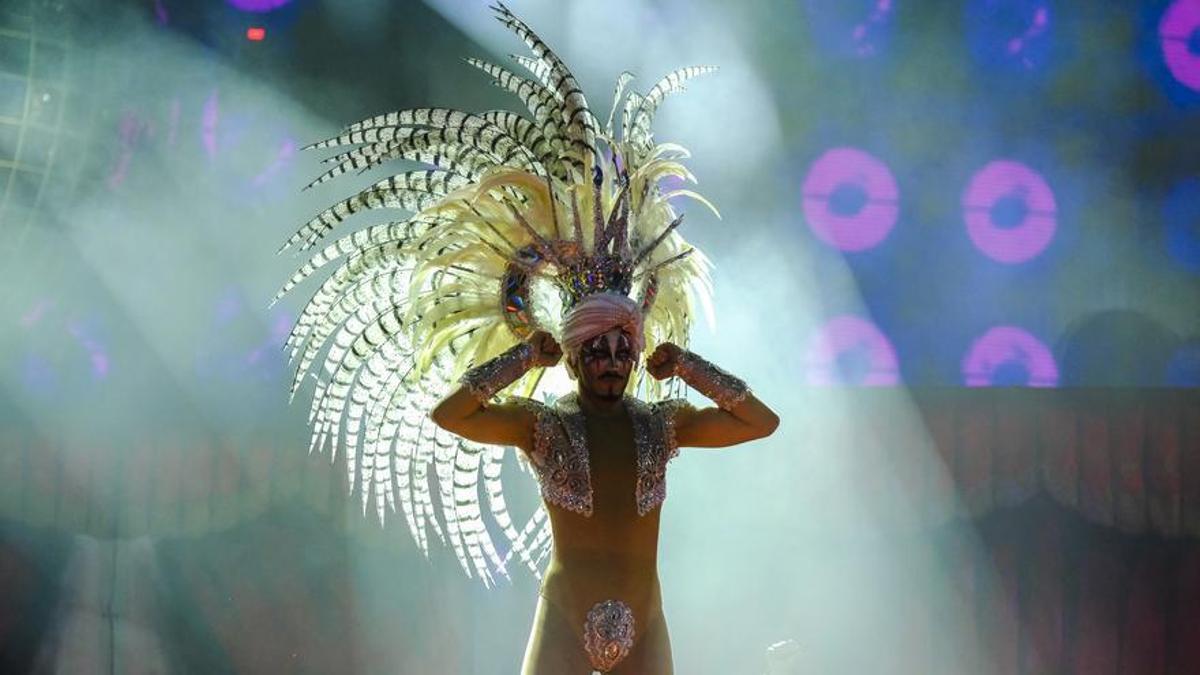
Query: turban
{"points": [[599, 313]]}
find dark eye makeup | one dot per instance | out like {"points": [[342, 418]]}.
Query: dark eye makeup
{"points": [[602, 354]]}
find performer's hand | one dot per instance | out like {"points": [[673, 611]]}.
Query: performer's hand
{"points": [[546, 352], [662, 362]]}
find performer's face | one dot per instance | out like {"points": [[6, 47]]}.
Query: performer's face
{"points": [[604, 364]]}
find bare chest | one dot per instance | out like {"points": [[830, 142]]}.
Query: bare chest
{"points": [[612, 465]]}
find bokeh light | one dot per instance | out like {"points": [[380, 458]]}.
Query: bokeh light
{"points": [[1181, 215], [857, 28], [1179, 36], [1009, 356], [851, 350], [1183, 370], [851, 200], [1010, 34], [61, 343], [1116, 348], [250, 350], [1010, 212]]}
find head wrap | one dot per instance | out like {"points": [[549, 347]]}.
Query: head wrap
{"points": [[599, 313]]}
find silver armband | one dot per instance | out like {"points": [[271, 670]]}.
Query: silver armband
{"points": [[483, 381], [722, 388]]}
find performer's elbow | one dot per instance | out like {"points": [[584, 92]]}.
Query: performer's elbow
{"points": [[437, 418], [441, 416], [772, 423], [765, 422]]}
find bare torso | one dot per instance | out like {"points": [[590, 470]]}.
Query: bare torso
{"points": [[614, 552]]}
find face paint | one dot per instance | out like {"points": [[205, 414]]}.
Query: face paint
{"points": [[605, 363], [611, 349]]}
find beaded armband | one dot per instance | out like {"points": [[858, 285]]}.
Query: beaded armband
{"points": [[483, 381], [722, 388]]}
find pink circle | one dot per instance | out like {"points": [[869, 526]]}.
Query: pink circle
{"points": [[851, 200], [1175, 30], [1004, 345], [999, 183], [851, 335]]}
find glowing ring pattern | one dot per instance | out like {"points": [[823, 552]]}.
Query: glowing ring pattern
{"points": [[851, 336], [850, 199], [1179, 37], [1007, 346], [1006, 185]]}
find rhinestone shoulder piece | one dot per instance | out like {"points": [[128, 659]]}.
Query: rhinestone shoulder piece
{"points": [[560, 459], [654, 433]]}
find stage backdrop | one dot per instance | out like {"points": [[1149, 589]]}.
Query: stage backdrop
{"points": [[959, 253]]}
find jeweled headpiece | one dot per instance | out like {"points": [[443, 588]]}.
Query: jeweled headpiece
{"points": [[514, 220]]}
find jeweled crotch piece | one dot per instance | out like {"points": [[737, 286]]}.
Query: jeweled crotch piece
{"points": [[608, 634]]}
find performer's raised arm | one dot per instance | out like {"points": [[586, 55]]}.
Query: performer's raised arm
{"points": [[466, 411], [739, 415]]}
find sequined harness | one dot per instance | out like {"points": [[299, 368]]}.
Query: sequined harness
{"points": [[560, 456]]}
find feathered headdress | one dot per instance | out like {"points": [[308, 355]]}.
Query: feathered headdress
{"points": [[519, 218]]}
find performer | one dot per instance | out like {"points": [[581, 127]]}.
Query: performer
{"points": [[526, 228], [601, 458]]}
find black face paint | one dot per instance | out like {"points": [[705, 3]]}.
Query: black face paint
{"points": [[605, 363], [608, 354]]}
